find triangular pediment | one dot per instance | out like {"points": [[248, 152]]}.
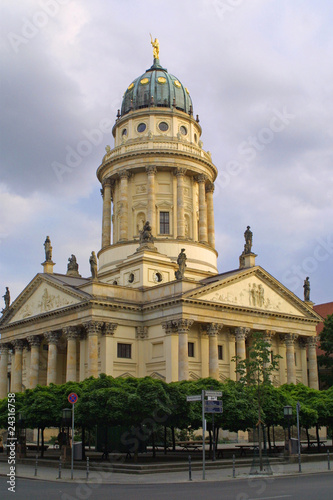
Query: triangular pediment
{"points": [[253, 288], [41, 296]]}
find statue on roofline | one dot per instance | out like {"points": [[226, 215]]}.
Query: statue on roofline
{"points": [[306, 287], [48, 249], [181, 261], [93, 265], [6, 298], [156, 47], [248, 240]]}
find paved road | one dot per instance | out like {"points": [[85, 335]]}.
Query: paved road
{"points": [[299, 487]]}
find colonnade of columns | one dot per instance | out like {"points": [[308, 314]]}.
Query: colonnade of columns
{"points": [[206, 206], [32, 343]]}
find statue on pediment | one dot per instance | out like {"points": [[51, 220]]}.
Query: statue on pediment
{"points": [[306, 287], [248, 240], [72, 266], [48, 249], [146, 233], [93, 265], [181, 261], [6, 298]]}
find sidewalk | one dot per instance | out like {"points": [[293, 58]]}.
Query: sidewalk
{"points": [[109, 477]]}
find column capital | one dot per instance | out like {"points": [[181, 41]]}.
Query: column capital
{"points": [[71, 332], [210, 187], [312, 341], [169, 327], [241, 332], [109, 329], [201, 178], [183, 325], [124, 174], [269, 334], [180, 171], [18, 344], [34, 340], [151, 170], [141, 332], [302, 342], [52, 337], [214, 328], [108, 182], [4, 347], [290, 338], [231, 335], [93, 327]]}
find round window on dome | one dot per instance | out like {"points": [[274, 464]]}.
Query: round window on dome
{"points": [[141, 127], [131, 278], [177, 84], [183, 130], [161, 79], [144, 81], [163, 126], [124, 132]]}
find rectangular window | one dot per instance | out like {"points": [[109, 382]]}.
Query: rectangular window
{"points": [[164, 223], [124, 351], [220, 351], [190, 346]]}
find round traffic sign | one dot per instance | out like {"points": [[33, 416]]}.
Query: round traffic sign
{"points": [[72, 398]]}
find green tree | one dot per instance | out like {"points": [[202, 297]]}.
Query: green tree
{"points": [[326, 344], [256, 372]]}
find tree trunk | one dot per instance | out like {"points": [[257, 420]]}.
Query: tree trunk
{"points": [[42, 432], [274, 436], [173, 439], [210, 443], [217, 429], [83, 443], [308, 436], [269, 438], [165, 440], [318, 438], [153, 443]]}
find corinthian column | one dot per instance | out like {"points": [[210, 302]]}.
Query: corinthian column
{"points": [[312, 363], [203, 238], [180, 173], [93, 329], [241, 334], [183, 326], [123, 205], [17, 368], [290, 355], [210, 214], [52, 339], [212, 332], [282, 360], [232, 354], [71, 333], [302, 342], [106, 224], [4, 348], [34, 342], [151, 215]]}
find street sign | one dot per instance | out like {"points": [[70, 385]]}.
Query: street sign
{"points": [[214, 394], [211, 398], [193, 398], [213, 407], [72, 398]]}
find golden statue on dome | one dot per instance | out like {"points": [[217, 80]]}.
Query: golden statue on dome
{"points": [[156, 47]]}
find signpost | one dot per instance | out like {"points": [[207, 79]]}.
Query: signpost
{"points": [[72, 398]]}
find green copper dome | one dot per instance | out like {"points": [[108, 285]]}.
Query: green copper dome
{"points": [[156, 88]]}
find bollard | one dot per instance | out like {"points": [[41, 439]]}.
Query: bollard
{"points": [[328, 460], [233, 466], [189, 468], [36, 465], [87, 468], [59, 476]]}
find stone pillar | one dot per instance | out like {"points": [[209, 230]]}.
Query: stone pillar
{"points": [[52, 339], [302, 342], [4, 348], [212, 332], [210, 214], [203, 236], [151, 212], [141, 334], [241, 334], [93, 329], [282, 360], [183, 326], [180, 173], [290, 355], [34, 342], [71, 333], [232, 354], [82, 338], [171, 351], [17, 366], [106, 224], [107, 352], [124, 175], [312, 363]]}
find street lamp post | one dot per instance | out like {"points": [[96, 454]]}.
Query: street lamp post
{"points": [[288, 412]]}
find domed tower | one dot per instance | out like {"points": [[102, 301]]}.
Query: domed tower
{"points": [[156, 172]]}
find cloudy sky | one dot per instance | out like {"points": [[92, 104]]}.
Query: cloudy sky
{"points": [[260, 75]]}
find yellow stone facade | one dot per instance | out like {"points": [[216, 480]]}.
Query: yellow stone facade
{"points": [[136, 318]]}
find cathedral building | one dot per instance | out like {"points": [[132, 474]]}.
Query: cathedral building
{"points": [[155, 304]]}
